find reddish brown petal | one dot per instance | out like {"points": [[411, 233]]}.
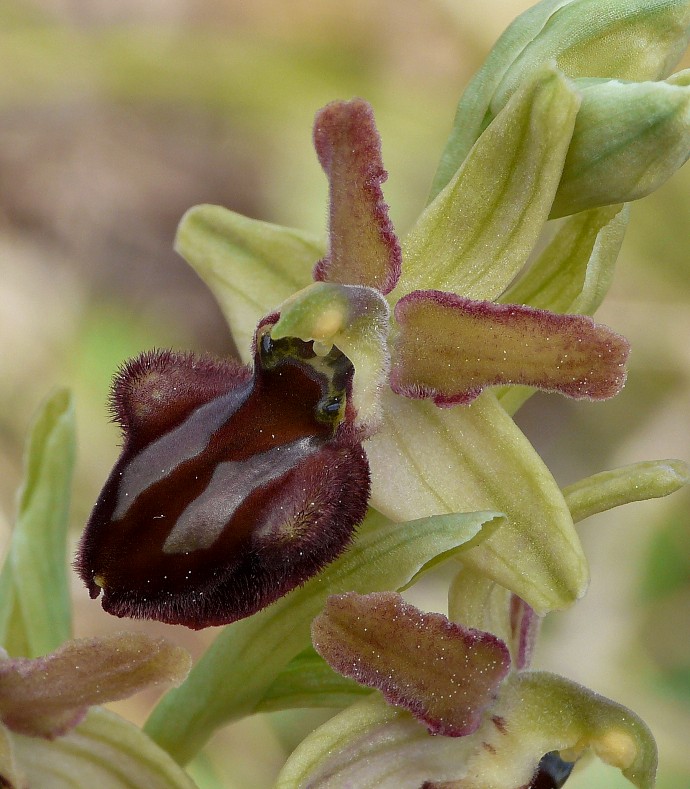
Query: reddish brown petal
{"points": [[47, 696], [443, 673], [363, 247], [450, 348], [234, 494]]}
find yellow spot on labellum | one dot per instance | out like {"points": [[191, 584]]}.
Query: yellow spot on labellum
{"points": [[616, 747], [329, 323]]}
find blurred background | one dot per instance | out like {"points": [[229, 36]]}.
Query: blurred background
{"points": [[117, 115]]}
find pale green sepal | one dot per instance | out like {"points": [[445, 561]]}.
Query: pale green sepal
{"points": [[104, 751], [384, 556], [35, 611], [372, 745], [479, 231], [571, 275], [632, 40], [649, 479], [308, 681], [428, 460], [575, 270], [249, 266], [629, 139], [354, 319]]}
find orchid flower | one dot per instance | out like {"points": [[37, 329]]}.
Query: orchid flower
{"points": [[502, 725], [227, 477]]}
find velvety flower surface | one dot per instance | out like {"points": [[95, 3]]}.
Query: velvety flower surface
{"points": [[444, 673], [236, 486], [507, 729], [48, 696], [233, 486]]}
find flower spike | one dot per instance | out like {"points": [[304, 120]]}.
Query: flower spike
{"points": [[363, 247]]}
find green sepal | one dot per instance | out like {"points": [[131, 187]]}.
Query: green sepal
{"points": [[35, 609], [248, 265], [384, 556], [479, 231], [421, 449]]}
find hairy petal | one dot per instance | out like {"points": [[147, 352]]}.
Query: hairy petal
{"points": [[572, 274], [363, 247], [47, 696], [450, 348], [443, 673]]}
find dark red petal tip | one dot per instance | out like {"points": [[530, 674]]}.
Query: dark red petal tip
{"points": [[236, 490]]}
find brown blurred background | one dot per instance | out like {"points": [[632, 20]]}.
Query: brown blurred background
{"points": [[116, 116]]}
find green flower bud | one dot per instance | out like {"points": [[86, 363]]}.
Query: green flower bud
{"points": [[614, 39], [629, 138]]}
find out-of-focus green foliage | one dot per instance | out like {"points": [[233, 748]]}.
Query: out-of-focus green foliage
{"points": [[35, 609]]}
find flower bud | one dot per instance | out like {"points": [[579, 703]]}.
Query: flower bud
{"points": [[629, 138], [613, 39]]}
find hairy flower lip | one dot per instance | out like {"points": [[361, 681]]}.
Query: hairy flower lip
{"points": [[232, 488]]}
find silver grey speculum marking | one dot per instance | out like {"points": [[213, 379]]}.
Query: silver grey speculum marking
{"points": [[184, 442], [203, 521]]}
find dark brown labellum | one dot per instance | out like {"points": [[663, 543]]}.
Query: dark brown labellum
{"points": [[233, 486]]}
